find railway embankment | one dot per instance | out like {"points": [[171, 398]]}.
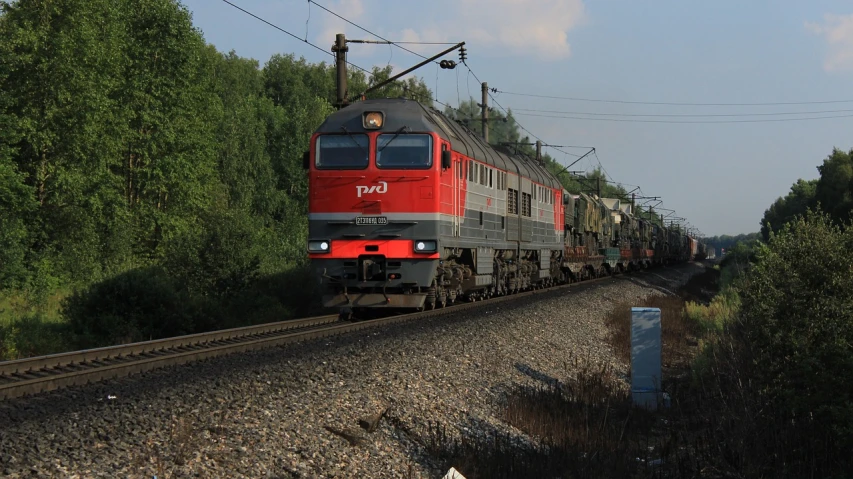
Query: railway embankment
{"points": [[384, 402]]}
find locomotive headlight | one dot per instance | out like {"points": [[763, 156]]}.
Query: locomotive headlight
{"points": [[373, 120], [426, 246], [319, 246]]}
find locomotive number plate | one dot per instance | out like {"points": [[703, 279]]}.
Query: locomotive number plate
{"points": [[371, 220]]}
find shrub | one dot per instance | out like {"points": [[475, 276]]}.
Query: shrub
{"points": [[797, 322], [138, 305], [219, 258], [32, 335]]}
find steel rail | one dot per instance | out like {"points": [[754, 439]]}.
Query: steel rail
{"points": [[46, 373]]}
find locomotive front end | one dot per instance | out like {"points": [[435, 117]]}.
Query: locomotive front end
{"points": [[373, 238]]}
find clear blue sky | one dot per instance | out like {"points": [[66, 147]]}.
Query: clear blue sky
{"points": [[720, 176]]}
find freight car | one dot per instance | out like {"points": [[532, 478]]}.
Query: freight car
{"points": [[409, 209]]}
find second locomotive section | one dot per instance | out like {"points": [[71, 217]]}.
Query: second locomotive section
{"points": [[410, 210]]}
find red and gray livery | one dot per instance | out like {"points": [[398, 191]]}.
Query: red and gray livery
{"points": [[409, 209]]}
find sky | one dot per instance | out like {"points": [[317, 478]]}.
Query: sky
{"points": [[719, 168]]}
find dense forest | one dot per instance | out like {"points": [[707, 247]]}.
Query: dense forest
{"points": [[151, 185]]}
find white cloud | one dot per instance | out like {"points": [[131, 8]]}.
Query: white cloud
{"points": [[333, 25], [837, 30], [524, 26], [517, 27]]}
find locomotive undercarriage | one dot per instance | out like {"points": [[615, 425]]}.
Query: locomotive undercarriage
{"points": [[457, 276]]}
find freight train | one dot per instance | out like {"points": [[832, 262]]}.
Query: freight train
{"points": [[409, 209]]}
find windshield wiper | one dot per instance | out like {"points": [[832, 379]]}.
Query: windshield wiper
{"points": [[351, 137], [403, 129]]}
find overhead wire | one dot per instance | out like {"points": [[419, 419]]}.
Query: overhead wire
{"points": [[630, 120], [507, 113], [397, 44], [685, 115], [394, 43], [470, 71], [552, 97], [292, 35]]}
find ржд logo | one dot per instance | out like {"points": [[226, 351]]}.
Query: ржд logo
{"points": [[382, 187]]}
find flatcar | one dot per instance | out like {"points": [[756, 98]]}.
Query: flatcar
{"points": [[409, 209]]}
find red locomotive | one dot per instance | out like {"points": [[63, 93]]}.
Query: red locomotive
{"points": [[409, 209]]}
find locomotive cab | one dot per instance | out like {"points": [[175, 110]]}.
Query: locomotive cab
{"points": [[373, 209]]}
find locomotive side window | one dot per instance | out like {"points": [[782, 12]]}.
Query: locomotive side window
{"points": [[404, 152], [342, 152]]}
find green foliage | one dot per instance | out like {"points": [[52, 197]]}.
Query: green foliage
{"points": [[217, 259], [715, 316], [137, 305], [114, 116], [832, 192], [16, 201], [31, 335], [797, 318], [783, 210], [411, 88], [728, 242], [834, 189], [129, 147], [503, 130]]}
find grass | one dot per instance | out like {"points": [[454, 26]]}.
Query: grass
{"points": [[19, 303], [30, 327], [132, 307]]}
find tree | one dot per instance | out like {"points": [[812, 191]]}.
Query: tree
{"points": [[115, 120], [503, 130], [834, 190], [411, 88], [797, 319], [796, 202]]}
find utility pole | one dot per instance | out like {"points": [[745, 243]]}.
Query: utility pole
{"points": [[484, 115], [598, 185], [340, 48], [539, 151]]}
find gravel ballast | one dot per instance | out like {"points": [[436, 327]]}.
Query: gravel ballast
{"points": [[294, 411]]}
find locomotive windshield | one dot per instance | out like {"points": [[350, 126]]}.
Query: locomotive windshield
{"points": [[404, 151], [339, 152]]}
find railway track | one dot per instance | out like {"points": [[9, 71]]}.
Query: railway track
{"points": [[46, 373]]}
